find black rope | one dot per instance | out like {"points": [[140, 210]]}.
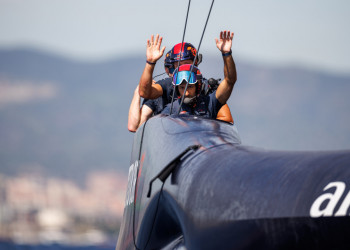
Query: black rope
{"points": [[200, 42], [155, 214], [181, 52], [158, 75]]}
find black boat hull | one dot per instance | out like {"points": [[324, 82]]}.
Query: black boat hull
{"points": [[223, 195]]}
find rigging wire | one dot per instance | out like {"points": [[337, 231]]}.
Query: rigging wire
{"points": [[155, 214], [200, 42], [158, 75], [181, 53]]}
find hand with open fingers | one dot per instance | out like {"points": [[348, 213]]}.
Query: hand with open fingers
{"points": [[224, 44], [154, 52]]}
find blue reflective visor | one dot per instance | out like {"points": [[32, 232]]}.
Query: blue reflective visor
{"points": [[181, 76]]}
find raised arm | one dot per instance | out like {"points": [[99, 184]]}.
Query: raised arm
{"points": [[224, 44], [153, 54]]}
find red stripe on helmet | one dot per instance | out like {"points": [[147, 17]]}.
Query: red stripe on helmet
{"points": [[185, 67], [177, 48]]}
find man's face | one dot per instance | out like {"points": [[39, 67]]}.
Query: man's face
{"points": [[191, 89]]}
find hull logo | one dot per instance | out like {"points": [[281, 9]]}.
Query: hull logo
{"points": [[130, 191], [325, 204]]}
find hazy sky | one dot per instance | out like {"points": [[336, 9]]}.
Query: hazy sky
{"points": [[313, 33]]}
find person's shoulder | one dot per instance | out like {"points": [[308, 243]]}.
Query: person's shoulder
{"points": [[212, 96], [165, 81]]}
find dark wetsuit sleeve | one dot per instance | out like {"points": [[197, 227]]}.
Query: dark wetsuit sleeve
{"points": [[167, 93], [167, 87], [158, 104], [152, 104], [164, 83], [214, 104]]}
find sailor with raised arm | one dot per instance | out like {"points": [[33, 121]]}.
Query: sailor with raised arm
{"points": [[224, 44], [195, 102], [181, 53]]}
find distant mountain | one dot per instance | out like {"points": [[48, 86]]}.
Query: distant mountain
{"points": [[82, 127], [66, 118]]}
